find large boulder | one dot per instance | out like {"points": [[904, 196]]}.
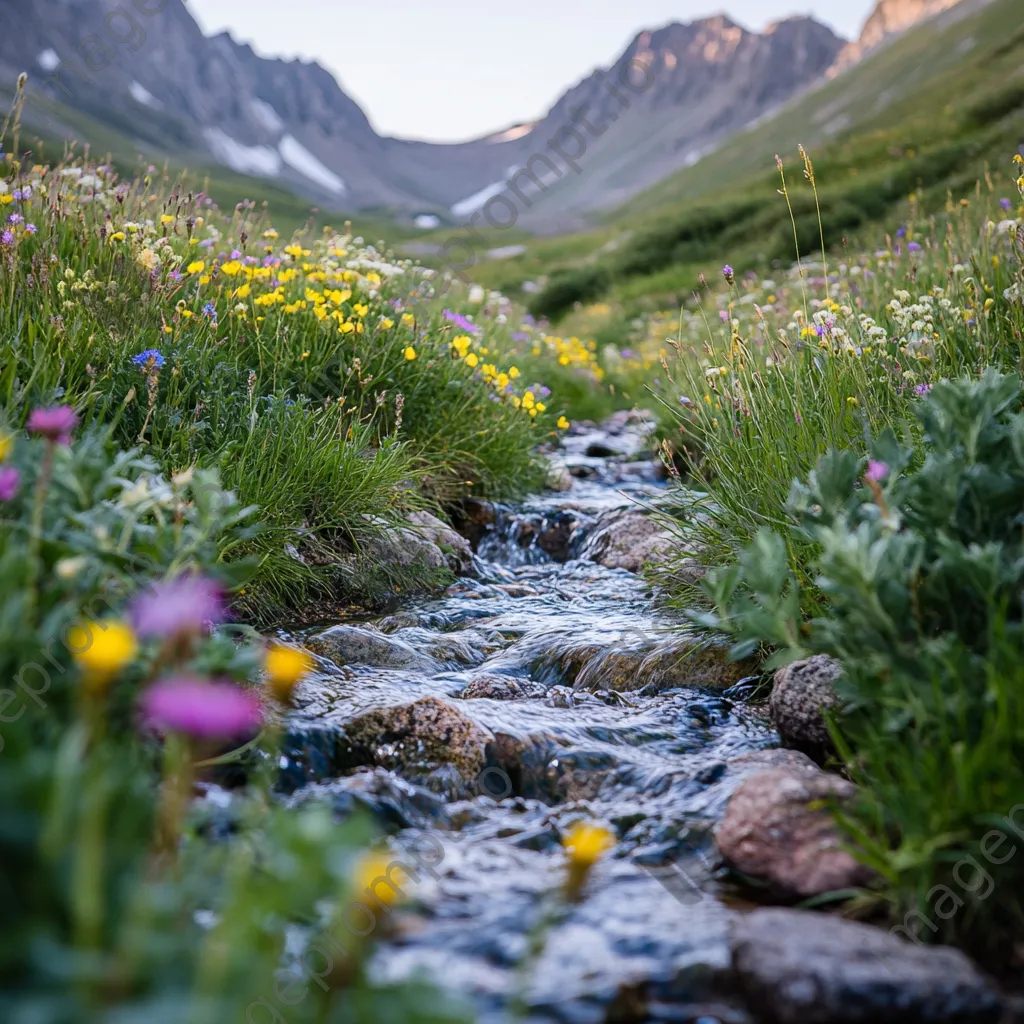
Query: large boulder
{"points": [[801, 693], [801, 967], [628, 539], [779, 830]]}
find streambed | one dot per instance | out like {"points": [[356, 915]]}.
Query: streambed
{"points": [[571, 697]]}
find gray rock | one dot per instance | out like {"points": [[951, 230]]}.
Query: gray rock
{"points": [[777, 829], [457, 552], [559, 479], [361, 645], [628, 539], [400, 546], [800, 693], [800, 967]]}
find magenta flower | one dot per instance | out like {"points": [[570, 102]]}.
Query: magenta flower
{"points": [[55, 423], [8, 483], [200, 709], [187, 604], [877, 471]]}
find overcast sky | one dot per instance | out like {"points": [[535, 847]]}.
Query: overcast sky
{"points": [[455, 69]]}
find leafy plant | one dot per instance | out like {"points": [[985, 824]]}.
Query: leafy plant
{"points": [[919, 556]]}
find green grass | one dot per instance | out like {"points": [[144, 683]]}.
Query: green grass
{"points": [[332, 398]]}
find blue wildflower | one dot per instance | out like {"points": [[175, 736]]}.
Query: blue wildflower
{"points": [[1006, 204], [151, 358]]}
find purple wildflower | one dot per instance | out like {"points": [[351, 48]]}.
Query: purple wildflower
{"points": [[1006, 204], [15, 218], [201, 709], [8, 482], [876, 471], [6, 237], [55, 423], [922, 389], [901, 233], [913, 247], [723, 315], [152, 356], [729, 274], [626, 353], [236, 254], [20, 195], [520, 336], [187, 604], [30, 229], [683, 400], [460, 321], [210, 312]]}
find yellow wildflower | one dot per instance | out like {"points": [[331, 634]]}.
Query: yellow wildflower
{"points": [[242, 291], [410, 353], [6, 444], [513, 372], [585, 844], [348, 328], [408, 320], [374, 877], [102, 650], [166, 219], [195, 268], [472, 360], [563, 423], [286, 667], [231, 268], [461, 344], [387, 323]]}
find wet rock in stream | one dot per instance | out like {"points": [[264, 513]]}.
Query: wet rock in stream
{"points": [[628, 539], [800, 967], [778, 830], [801, 693]]}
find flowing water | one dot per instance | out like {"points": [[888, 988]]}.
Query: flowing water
{"points": [[598, 719]]}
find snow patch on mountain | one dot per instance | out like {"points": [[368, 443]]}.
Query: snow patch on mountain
{"points": [[267, 116], [261, 160], [142, 95], [296, 156], [48, 60]]}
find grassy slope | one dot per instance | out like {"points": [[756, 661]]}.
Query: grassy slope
{"points": [[925, 112]]}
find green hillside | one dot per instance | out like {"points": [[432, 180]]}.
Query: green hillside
{"points": [[927, 116]]}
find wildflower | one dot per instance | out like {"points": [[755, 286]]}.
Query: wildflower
{"points": [[729, 274], [54, 423], [187, 604], [410, 352], [286, 667], [15, 218], [876, 471], [374, 868], [8, 483], [851, 401], [513, 372], [913, 247], [210, 312], [6, 238], [102, 650], [200, 709], [386, 323], [585, 844], [408, 320], [1006, 204], [31, 229], [166, 219], [922, 389], [196, 267], [563, 423], [472, 360], [151, 358], [461, 322]]}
